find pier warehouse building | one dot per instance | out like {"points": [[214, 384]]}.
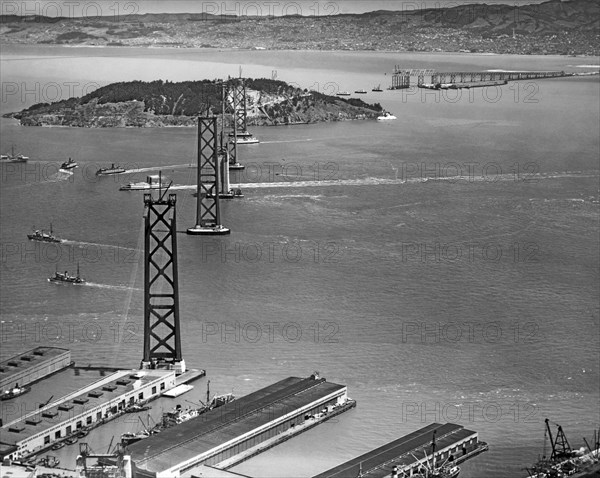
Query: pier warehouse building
{"points": [[98, 401], [32, 366], [235, 428]]}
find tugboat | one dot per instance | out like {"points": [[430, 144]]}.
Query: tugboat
{"points": [[16, 391], [70, 164], [112, 170], [43, 236], [60, 278], [11, 158]]}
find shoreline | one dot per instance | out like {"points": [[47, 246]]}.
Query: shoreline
{"points": [[283, 50]]}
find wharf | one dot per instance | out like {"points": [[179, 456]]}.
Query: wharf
{"points": [[453, 443], [77, 412], [284, 436], [189, 376], [234, 428], [32, 366]]}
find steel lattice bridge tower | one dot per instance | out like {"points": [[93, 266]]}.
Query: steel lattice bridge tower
{"points": [[226, 154], [162, 338], [208, 214]]}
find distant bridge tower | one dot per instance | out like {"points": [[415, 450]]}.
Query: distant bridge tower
{"points": [[162, 339], [400, 79], [237, 103], [238, 89], [208, 214], [227, 150]]}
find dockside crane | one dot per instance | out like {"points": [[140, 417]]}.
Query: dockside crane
{"points": [[560, 446]]}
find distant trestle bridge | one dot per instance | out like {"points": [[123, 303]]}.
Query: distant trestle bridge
{"points": [[401, 77]]}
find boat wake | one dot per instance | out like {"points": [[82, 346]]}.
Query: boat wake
{"points": [[112, 287], [411, 180], [95, 244], [287, 141], [157, 168], [61, 175]]}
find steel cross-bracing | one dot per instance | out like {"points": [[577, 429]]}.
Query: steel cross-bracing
{"points": [[237, 88], [208, 214], [162, 338]]}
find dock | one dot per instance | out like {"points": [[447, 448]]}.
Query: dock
{"points": [[32, 366], [86, 408], [235, 431], [408, 453]]}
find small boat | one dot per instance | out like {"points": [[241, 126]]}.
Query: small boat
{"points": [[247, 140], [361, 92], [70, 164], [136, 407], [11, 158], [16, 391], [154, 181], [244, 137], [43, 236], [112, 170], [71, 440], [386, 115], [377, 88], [49, 461], [58, 446], [129, 438], [236, 166], [83, 433], [60, 278], [220, 400], [343, 93]]}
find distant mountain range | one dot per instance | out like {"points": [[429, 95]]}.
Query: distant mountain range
{"points": [[158, 103], [554, 27]]}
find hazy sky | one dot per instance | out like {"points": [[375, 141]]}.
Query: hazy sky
{"points": [[77, 8]]}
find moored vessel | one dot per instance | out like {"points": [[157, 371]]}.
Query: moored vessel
{"points": [[377, 88], [14, 392], [361, 92], [343, 93]]}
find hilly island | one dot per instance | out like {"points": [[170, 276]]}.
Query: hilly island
{"points": [[164, 103], [554, 27]]}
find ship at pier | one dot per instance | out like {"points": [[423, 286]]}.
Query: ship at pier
{"points": [[563, 460], [14, 392]]}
